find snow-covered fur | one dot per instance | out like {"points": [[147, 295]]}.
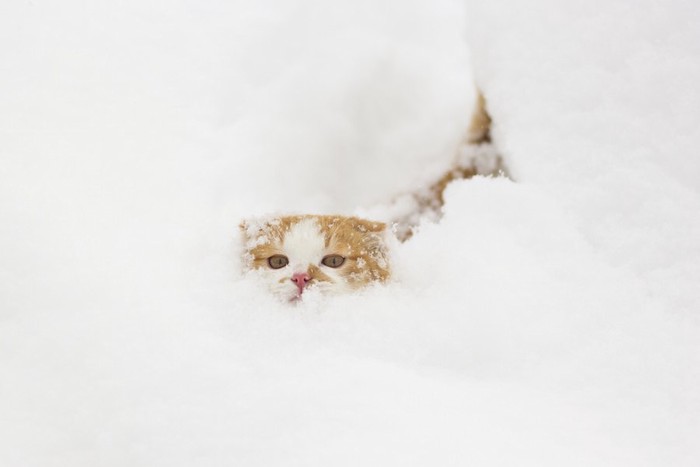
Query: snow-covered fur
{"points": [[305, 245]]}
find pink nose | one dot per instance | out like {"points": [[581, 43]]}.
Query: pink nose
{"points": [[300, 279]]}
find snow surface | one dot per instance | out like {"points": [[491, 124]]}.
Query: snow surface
{"points": [[547, 321]]}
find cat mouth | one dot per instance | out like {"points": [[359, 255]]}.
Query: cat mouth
{"points": [[299, 294], [296, 297]]}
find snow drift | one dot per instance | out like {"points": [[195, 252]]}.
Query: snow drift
{"points": [[549, 320]]}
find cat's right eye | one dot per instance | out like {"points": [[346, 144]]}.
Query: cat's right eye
{"points": [[277, 261]]}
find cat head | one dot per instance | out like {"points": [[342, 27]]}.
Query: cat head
{"points": [[330, 253]]}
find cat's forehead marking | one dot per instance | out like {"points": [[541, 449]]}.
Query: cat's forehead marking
{"points": [[304, 243]]}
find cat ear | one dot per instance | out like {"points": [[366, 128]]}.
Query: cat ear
{"points": [[243, 227], [363, 226]]}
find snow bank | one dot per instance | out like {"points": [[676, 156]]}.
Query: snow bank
{"points": [[547, 321]]}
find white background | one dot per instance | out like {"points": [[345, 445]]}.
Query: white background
{"points": [[548, 321]]}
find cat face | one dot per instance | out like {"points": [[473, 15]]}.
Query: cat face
{"points": [[333, 254]]}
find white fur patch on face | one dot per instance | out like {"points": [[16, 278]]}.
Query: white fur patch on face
{"points": [[304, 244]]}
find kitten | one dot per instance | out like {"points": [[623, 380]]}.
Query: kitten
{"points": [[333, 254]]}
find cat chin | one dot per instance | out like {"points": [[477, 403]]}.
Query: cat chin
{"points": [[286, 294], [292, 296]]}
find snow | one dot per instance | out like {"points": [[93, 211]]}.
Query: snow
{"points": [[548, 320]]}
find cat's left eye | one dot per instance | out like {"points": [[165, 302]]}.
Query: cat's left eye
{"points": [[277, 261], [333, 261]]}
